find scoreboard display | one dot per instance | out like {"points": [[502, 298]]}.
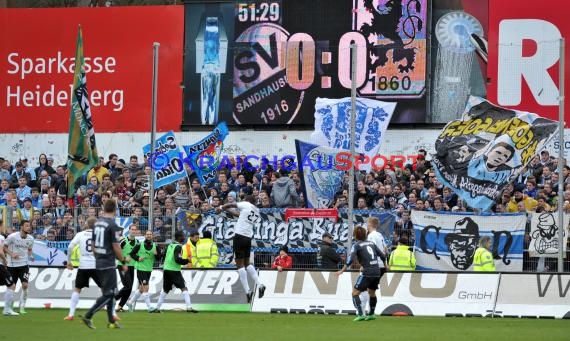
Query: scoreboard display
{"points": [[258, 63]]}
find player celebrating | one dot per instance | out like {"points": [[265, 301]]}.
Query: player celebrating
{"points": [[145, 255], [6, 279], [367, 254], [173, 263], [248, 218], [106, 247], [84, 241], [18, 247]]}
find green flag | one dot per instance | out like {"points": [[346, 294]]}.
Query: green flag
{"points": [[81, 147]]}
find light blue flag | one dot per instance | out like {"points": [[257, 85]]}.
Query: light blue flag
{"points": [[204, 156], [166, 160]]}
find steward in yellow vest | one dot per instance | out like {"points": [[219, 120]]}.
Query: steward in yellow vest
{"points": [[402, 259], [189, 249], [206, 252], [483, 259]]}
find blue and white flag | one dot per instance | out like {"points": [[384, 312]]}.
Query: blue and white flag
{"points": [[124, 223], [332, 125], [321, 179], [479, 154], [165, 160], [204, 156], [447, 241]]}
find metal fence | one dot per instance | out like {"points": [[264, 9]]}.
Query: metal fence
{"points": [[58, 226]]}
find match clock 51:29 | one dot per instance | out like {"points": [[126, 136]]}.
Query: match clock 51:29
{"points": [[259, 11]]}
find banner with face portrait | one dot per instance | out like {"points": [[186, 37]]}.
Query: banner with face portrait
{"points": [[544, 240], [479, 154], [447, 241]]}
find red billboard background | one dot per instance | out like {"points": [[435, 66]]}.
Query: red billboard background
{"points": [[37, 47], [549, 16]]}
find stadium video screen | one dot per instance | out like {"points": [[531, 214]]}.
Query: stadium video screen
{"points": [[259, 63]]}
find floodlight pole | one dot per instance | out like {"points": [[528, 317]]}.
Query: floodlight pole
{"points": [[561, 225], [353, 65], [155, 48]]}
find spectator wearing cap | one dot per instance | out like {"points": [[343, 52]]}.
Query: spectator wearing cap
{"points": [[18, 173], [43, 166], [28, 169], [330, 259], [231, 198], [519, 196], [94, 198], [27, 210], [283, 259]]}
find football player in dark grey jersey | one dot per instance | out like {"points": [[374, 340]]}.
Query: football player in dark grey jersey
{"points": [[106, 247], [369, 256]]}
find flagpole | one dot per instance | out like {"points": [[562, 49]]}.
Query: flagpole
{"points": [[155, 48], [352, 145], [561, 225]]}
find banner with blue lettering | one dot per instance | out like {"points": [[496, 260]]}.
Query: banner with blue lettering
{"points": [[204, 156], [479, 154], [332, 125], [321, 179], [165, 160], [447, 241]]}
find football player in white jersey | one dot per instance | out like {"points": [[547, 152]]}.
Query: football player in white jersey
{"points": [[6, 279], [84, 241], [248, 217], [378, 239], [18, 249]]}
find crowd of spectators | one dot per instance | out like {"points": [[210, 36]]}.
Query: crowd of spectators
{"points": [[39, 193]]}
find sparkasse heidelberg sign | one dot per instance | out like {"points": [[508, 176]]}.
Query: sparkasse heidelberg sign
{"points": [[524, 53], [37, 61]]}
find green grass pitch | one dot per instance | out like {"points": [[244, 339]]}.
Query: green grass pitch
{"points": [[48, 324]]}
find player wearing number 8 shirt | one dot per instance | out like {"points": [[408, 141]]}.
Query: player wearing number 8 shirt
{"points": [[106, 248], [369, 256], [86, 271], [248, 217]]}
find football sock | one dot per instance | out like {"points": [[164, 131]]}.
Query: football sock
{"points": [[135, 297], [364, 297], [373, 301], [146, 298], [23, 298], [160, 300], [187, 299], [8, 297], [357, 305], [253, 274], [74, 301], [243, 279]]}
